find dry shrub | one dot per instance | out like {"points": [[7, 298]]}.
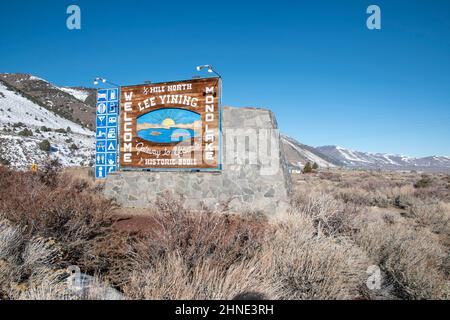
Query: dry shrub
{"points": [[330, 216], [173, 278], [363, 197], [310, 267], [222, 238], [331, 176], [68, 210], [25, 262], [378, 182], [11, 241], [52, 288], [191, 255], [433, 187], [412, 259], [382, 198], [46, 289], [438, 192], [435, 215], [62, 222], [111, 257]]}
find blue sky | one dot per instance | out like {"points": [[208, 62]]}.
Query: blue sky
{"points": [[328, 78]]}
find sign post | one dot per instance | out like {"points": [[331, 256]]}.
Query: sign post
{"points": [[106, 132], [171, 126]]}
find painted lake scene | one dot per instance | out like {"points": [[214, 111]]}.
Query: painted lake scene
{"points": [[169, 125]]}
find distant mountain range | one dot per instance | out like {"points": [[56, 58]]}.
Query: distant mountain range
{"points": [[367, 160], [334, 156], [29, 102]]}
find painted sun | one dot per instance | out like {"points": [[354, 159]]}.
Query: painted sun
{"points": [[168, 122]]}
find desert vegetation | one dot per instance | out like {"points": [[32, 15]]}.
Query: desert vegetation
{"points": [[341, 224]]}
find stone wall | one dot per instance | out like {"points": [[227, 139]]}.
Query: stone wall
{"points": [[254, 174]]}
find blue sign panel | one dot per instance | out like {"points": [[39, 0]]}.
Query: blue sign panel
{"points": [[111, 146], [112, 133], [101, 133], [113, 107], [113, 95], [106, 133], [101, 120], [101, 146], [102, 95], [112, 120], [112, 169], [100, 172], [102, 108], [111, 159]]}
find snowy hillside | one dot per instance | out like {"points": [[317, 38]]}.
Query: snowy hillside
{"points": [[72, 103], [298, 154], [360, 159], [79, 94], [25, 124], [15, 108]]}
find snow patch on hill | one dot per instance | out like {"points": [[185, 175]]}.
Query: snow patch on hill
{"points": [[37, 79], [81, 95], [15, 108], [311, 157], [73, 147]]}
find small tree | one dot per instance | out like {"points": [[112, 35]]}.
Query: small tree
{"points": [[26, 133], [307, 168], [61, 130], [315, 166], [45, 129], [45, 145], [73, 147]]}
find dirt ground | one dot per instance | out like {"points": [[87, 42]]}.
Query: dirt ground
{"points": [[135, 220]]}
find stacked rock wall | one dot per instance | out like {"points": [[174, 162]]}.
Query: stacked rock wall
{"points": [[254, 175]]}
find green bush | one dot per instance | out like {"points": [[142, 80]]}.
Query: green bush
{"points": [[26, 133], [4, 161], [18, 125], [425, 182], [308, 168], [45, 145]]}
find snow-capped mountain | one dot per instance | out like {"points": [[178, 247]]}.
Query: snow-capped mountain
{"points": [[25, 125], [299, 154], [358, 159], [79, 94]]}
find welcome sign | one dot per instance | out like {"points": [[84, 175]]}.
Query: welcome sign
{"points": [[171, 125]]}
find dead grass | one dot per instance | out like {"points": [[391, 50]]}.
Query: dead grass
{"points": [[404, 229], [411, 258], [173, 278], [310, 267], [341, 223]]}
